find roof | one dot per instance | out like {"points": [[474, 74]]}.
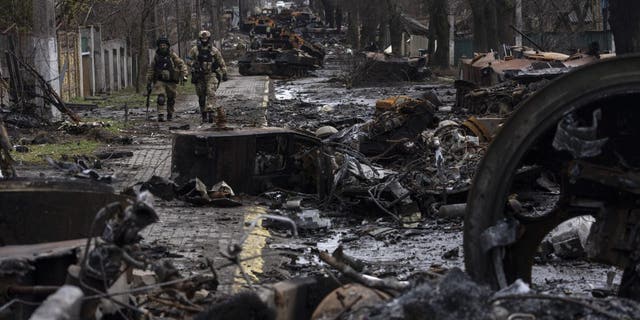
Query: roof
{"points": [[413, 26]]}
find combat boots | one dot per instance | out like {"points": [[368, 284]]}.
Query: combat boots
{"points": [[161, 117], [169, 116]]}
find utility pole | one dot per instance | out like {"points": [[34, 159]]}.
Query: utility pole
{"points": [[45, 58]]}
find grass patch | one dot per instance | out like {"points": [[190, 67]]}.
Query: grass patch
{"points": [[131, 98], [116, 99], [187, 88], [57, 151], [120, 98]]}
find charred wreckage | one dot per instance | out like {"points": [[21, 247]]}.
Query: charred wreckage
{"points": [[562, 153], [541, 144]]}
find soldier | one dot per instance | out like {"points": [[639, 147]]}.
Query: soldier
{"points": [[6, 162], [163, 75], [208, 70]]}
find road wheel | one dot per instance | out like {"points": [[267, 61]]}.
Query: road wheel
{"points": [[525, 141]]}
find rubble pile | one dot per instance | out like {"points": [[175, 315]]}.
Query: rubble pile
{"points": [[500, 99], [114, 274], [402, 156], [456, 296], [356, 204]]}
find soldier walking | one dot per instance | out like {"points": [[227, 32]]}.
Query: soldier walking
{"points": [[208, 71], [163, 75]]}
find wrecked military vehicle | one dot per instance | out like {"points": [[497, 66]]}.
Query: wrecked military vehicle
{"points": [[276, 63], [577, 132], [284, 55], [372, 67]]}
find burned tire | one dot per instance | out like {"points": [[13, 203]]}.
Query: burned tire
{"points": [[536, 117]]}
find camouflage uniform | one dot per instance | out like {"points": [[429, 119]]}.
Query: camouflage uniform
{"points": [[6, 162], [165, 72], [208, 70]]}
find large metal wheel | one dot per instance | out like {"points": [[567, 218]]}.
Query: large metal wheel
{"points": [[611, 86]]}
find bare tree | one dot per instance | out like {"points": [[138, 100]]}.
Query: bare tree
{"points": [[393, 11], [133, 20], [625, 24], [491, 21], [439, 30]]}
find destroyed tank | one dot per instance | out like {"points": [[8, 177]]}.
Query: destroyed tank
{"points": [[278, 63], [284, 56], [578, 132]]}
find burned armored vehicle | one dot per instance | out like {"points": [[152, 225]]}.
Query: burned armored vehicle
{"points": [[566, 152], [284, 56]]}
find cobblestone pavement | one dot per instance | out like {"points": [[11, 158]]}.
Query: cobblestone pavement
{"points": [[245, 100], [189, 234]]}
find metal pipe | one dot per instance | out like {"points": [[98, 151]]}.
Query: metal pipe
{"points": [[526, 37]]}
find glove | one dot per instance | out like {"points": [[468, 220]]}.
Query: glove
{"points": [[149, 86], [184, 78], [225, 77]]}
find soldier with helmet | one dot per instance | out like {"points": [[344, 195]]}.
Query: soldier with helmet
{"points": [[208, 71], [164, 73]]}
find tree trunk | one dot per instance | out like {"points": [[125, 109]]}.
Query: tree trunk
{"points": [[506, 13], [215, 15], [142, 58], [179, 30], [199, 18], [353, 31], [491, 25], [395, 27], [329, 12], [625, 24], [369, 21], [338, 17], [480, 43], [439, 28]]}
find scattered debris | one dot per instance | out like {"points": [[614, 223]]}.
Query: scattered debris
{"points": [[377, 175], [106, 155], [49, 94], [81, 169], [196, 192], [348, 298], [569, 239]]}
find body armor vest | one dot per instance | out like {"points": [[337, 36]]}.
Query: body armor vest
{"points": [[206, 59], [164, 69]]}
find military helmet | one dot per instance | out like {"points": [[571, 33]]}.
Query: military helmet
{"points": [[204, 34], [163, 39]]}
